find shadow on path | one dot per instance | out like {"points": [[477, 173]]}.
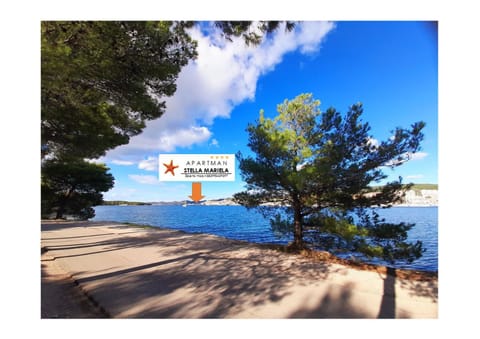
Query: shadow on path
{"points": [[203, 276], [335, 304], [387, 306], [62, 298]]}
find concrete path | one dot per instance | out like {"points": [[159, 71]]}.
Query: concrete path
{"points": [[130, 272], [61, 297]]}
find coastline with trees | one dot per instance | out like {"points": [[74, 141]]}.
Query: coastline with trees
{"points": [[103, 81]]}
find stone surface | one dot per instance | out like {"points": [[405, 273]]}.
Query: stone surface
{"points": [[148, 273]]}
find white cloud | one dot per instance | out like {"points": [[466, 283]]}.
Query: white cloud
{"points": [[223, 76], [183, 137], [120, 194], [309, 35], [122, 162], [144, 179], [373, 142], [406, 157], [150, 164], [214, 143], [91, 161], [417, 155]]}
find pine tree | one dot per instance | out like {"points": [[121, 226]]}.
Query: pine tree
{"points": [[317, 168]]}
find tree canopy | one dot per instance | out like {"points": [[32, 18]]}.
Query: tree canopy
{"points": [[72, 187], [252, 34], [101, 80], [316, 167]]}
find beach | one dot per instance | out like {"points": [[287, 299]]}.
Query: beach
{"points": [[126, 271]]}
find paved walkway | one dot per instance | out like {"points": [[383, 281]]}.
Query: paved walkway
{"points": [[130, 272], [61, 297]]}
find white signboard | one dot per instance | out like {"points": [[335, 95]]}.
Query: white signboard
{"points": [[196, 167]]}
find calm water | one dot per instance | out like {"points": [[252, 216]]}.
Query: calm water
{"points": [[236, 222]]}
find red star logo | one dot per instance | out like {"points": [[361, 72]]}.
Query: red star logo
{"points": [[170, 168]]}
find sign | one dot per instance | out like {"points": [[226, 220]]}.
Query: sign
{"points": [[196, 167]]}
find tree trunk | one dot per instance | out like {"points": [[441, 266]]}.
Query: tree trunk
{"points": [[63, 203], [298, 226], [61, 209]]}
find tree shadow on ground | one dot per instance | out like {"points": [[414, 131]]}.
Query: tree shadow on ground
{"points": [[335, 304], [62, 298], [199, 285], [140, 238], [415, 286], [204, 276], [421, 288], [388, 306]]}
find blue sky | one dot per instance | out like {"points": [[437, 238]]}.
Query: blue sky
{"points": [[391, 67]]}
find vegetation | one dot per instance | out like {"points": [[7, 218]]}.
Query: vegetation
{"points": [[73, 187], [250, 36], [100, 82], [317, 166]]}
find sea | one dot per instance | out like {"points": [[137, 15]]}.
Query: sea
{"points": [[236, 222]]}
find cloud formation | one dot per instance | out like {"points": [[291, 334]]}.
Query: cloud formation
{"points": [[149, 164], [408, 156], [224, 75], [144, 179], [417, 155], [122, 162], [214, 143]]}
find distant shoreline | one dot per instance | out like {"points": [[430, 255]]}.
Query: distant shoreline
{"points": [[420, 195], [219, 202]]}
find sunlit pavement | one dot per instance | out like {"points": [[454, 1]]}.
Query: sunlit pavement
{"points": [[131, 272]]}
